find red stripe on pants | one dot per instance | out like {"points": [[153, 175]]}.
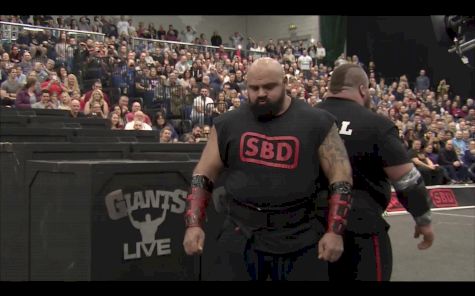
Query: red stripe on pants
{"points": [[377, 255]]}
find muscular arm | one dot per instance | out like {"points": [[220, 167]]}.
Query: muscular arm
{"points": [[336, 166], [334, 158], [395, 173], [209, 166], [413, 195]]}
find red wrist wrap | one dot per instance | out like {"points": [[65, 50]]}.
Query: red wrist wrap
{"points": [[197, 201], [339, 208]]}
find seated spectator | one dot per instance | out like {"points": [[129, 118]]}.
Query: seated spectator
{"points": [[115, 121], [166, 135], [136, 107], [97, 97], [139, 120], [72, 84], [64, 101], [459, 144], [87, 96], [236, 103], [9, 88], [448, 159], [53, 84], [161, 122], [96, 111], [45, 101], [75, 111], [28, 95], [469, 159], [193, 136], [432, 174]]}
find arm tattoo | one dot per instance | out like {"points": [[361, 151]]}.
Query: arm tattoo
{"points": [[334, 158]]}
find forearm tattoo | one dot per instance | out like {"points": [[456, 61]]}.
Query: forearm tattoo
{"points": [[333, 157]]}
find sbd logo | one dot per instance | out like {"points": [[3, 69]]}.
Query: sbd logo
{"points": [[279, 152]]}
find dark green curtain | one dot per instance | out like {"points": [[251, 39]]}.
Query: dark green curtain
{"points": [[333, 34]]}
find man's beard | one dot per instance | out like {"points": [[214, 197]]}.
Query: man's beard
{"points": [[269, 110]]}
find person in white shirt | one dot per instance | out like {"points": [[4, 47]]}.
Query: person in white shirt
{"points": [[138, 123], [202, 107], [321, 52], [123, 26], [189, 35], [305, 64]]}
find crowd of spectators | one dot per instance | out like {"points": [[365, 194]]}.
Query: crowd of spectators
{"points": [[151, 85]]}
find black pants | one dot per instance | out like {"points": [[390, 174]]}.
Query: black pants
{"points": [[367, 257], [431, 177], [237, 260]]}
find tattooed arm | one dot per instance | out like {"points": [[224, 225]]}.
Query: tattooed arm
{"points": [[336, 166], [334, 159]]}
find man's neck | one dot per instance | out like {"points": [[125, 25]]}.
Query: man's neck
{"points": [[286, 105], [346, 95]]}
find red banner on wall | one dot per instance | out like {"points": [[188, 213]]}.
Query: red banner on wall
{"points": [[441, 198]]}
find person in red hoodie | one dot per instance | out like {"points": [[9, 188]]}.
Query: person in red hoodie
{"points": [[53, 84]]}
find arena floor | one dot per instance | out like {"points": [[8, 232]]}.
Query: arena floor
{"points": [[451, 258]]}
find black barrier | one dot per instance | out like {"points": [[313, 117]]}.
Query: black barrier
{"points": [[13, 121], [109, 220], [140, 136], [193, 151], [37, 112], [35, 134], [14, 206], [60, 122], [13, 196]]}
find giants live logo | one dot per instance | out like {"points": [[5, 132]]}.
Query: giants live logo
{"points": [[279, 152]]}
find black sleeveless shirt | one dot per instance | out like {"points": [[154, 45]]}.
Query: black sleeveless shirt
{"points": [[273, 163]]}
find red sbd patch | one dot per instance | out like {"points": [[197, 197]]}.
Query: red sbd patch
{"points": [[394, 204], [443, 198], [278, 152]]}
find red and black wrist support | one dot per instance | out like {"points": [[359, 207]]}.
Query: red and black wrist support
{"points": [[339, 206], [197, 200]]}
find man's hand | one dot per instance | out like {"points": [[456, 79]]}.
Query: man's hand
{"points": [[194, 240], [330, 247], [428, 236]]}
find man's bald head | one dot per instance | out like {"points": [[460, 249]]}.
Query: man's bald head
{"points": [[266, 65], [347, 77]]}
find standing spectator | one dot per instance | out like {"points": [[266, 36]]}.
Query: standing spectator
{"points": [[305, 64], [422, 82], [216, 39], [202, 107], [189, 34], [26, 63], [236, 39], [123, 27]]}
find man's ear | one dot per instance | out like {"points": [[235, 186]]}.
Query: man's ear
{"points": [[361, 90]]}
